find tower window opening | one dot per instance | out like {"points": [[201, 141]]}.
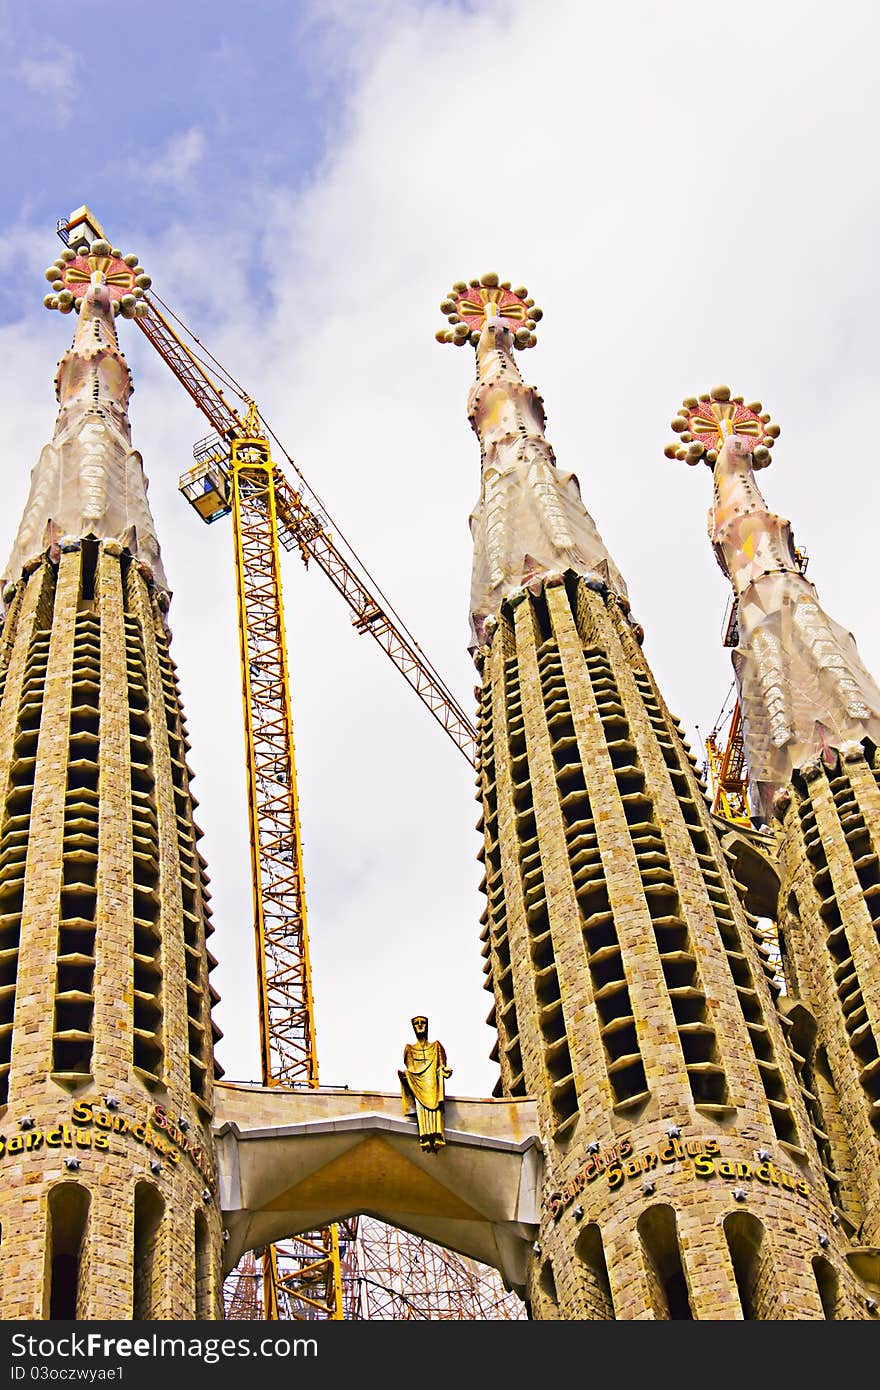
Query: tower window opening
{"points": [[149, 1209], [788, 929], [623, 1059], [667, 1281], [804, 1052], [752, 1266], [87, 573], [148, 964], [541, 617], [73, 1036], [193, 887], [204, 1302], [14, 842], [68, 1213], [828, 1284], [594, 1274], [547, 1283]]}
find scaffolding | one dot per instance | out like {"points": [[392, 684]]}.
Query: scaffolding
{"points": [[728, 773], [396, 1277], [389, 1275]]}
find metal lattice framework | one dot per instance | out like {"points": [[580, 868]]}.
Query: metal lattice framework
{"points": [[243, 1291], [389, 1275], [728, 773], [301, 1279], [300, 527], [285, 988], [393, 1276]]}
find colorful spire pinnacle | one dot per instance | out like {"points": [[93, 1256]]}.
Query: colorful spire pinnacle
{"points": [[89, 482], [471, 305], [703, 424], [803, 688], [101, 264], [530, 521]]}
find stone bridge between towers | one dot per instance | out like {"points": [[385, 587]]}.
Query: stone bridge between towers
{"points": [[293, 1161]]}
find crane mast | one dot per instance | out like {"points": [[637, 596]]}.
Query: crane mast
{"points": [[288, 1054], [287, 1033]]}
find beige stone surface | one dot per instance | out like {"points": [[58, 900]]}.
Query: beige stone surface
{"points": [[641, 1000], [829, 855], [80, 1151]]}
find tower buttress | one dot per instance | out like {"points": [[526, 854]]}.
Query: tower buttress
{"points": [[108, 1203], [630, 994], [811, 727]]}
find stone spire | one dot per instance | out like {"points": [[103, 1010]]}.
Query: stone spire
{"points": [[89, 481], [529, 520], [106, 1037], [631, 997], [803, 688]]}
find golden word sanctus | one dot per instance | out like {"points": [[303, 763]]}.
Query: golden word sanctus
{"points": [[703, 1156], [90, 1127], [170, 1141], [86, 1113], [61, 1136], [162, 1120], [766, 1172]]}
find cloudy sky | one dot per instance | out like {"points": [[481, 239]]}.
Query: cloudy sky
{"points": [[690, 193]]}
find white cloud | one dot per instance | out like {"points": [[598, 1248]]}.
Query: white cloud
{"points": [[178, 159], [686, 197], [53, 78]]}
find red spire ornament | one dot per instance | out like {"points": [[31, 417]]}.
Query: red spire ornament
{"points": [[471, 305], [100, 264], [703, 424]]}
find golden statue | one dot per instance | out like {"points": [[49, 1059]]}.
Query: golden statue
{"points": [[422, 1084]]}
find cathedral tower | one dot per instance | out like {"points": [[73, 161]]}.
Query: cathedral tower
{"points": [[811, 728], [108, 1203], [631, 995]]}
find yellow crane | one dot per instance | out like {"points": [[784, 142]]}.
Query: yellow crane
{"points": [[727, 767], [729, 771], [235, 474]]}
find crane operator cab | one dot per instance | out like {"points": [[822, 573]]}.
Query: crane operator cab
{"points": [[208, 487]]}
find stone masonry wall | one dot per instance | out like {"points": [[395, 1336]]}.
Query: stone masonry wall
{"points": [[830, 923], [631, 993], [98, 980]]}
